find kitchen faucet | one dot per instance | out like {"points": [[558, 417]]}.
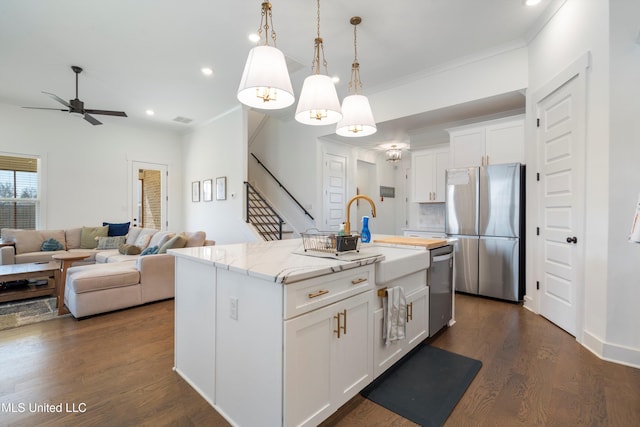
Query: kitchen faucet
{"points": [[347, 224]]}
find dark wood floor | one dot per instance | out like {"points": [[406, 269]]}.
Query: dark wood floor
{"points": [[115, 370]]}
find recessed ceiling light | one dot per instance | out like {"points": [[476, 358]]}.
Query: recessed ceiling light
{"points": [[206, 71], [335, 80], [255, 38], [531, 2], [150, 112]]}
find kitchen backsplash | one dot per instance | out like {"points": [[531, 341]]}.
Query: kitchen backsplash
{"points": [[427, 216]]}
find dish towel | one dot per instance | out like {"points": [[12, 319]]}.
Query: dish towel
{"points": [[395, 314]]}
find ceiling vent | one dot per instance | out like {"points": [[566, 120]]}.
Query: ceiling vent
{"points": [[184, 120]]}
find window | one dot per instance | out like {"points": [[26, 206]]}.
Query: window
{"points": [[19, 192]]}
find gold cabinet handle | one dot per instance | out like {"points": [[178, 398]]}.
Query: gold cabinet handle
{"points": [[409, 312], [317, 294], [344, 325], [360, 280]]}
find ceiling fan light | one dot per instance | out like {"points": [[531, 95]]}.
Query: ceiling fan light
{"points": [[357, 118], [265, 82], [318, 103]]}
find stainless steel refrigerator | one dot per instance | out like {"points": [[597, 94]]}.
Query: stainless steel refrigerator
{"points": [[485, 209]]}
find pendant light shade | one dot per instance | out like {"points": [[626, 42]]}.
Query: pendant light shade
{"points": [[357, 118], [265, 81], [319, 103]]}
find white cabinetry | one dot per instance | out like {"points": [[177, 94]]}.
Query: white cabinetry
{"points": [[328, 358], [417, 321], [428, 171], [195, 303], [492, 142]]}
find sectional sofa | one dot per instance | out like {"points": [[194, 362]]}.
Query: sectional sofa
{"points": [[114, 276]]}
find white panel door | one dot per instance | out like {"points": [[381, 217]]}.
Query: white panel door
{"points": [[335, 190], [561, 153]]}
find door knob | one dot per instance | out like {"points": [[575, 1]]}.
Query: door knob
{"points": [[573, 239]]}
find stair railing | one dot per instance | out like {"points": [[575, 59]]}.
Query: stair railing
{"points": [[261, 215], [282, 186]]}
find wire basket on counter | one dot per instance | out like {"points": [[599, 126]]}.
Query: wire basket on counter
{"points": [[329, 242]]}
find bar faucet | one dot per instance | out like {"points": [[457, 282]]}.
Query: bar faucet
{"points": [[347, 224]]}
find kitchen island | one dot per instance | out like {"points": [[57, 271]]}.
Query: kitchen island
{"points": [[271, 336]]}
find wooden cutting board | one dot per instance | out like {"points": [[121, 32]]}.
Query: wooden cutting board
{"points": [[413, 241]]}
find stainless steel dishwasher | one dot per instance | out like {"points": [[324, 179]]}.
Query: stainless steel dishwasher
{"points": [[440, 281]]}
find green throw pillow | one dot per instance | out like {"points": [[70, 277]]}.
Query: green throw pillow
{"points": [[126, 249], [177, 241], [88, 236]]}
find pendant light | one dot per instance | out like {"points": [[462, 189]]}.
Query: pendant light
{"points": [[265, 81], [357, 118], [318, 103]]}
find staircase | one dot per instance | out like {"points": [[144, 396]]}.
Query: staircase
{"points": [[263, 217]]}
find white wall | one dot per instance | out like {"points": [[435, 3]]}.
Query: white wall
{"points": [[624, 184], [456, 83], [611, 272], [217, 149], [87, 169], [290, 151]]}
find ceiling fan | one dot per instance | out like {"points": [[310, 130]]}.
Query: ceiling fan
{"points": [[75, 106]]}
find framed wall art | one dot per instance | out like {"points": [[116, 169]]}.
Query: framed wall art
{"points": [[207, 190], [221, 188], [195, 191]]}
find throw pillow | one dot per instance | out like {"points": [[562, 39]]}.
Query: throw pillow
{"points": [[151, 250], [195, 238], [51, 244], [112, 242], [175, 242], [117, 229], [89, 234], [125, 249], [142, 241]]}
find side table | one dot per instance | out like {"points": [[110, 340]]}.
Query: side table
{"points": [[66, 259]]}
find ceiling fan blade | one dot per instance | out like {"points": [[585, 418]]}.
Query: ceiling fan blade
{"points": [[45, 108], [107, 112], [92, 119], [57, 98]]}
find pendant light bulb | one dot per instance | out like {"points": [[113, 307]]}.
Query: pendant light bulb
{"points": [[265, 82]]}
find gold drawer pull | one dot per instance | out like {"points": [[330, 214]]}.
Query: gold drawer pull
{"points": [[317, 294], [409, 312], [360, 280]]}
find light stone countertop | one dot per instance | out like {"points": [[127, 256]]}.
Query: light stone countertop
{"points": [[286, 262], [276, 261]]}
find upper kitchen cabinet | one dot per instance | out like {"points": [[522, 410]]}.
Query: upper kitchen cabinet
{"points": [[428, 173], [488, 143]]}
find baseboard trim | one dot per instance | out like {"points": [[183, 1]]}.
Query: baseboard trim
{"points": [[612, 352]]}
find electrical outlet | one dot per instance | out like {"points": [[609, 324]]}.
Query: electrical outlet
{"points": [[233, 308]]}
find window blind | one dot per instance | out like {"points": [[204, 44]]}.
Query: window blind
{"points": [[19, 192]]}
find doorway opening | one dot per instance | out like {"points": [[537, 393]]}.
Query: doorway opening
{"points": [[149, 196]]}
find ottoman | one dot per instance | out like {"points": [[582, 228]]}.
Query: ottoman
{"points": [[98, 288]]}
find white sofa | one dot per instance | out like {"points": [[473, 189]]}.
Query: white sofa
{"points": [[107, 280]]}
